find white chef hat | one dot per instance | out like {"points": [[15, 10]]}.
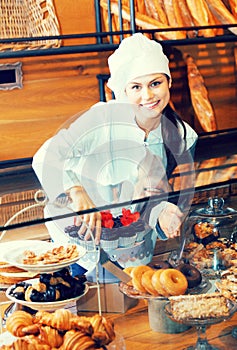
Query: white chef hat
{"points": [[136, 56]]}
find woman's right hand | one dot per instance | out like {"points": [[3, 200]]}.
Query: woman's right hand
{"points": [[170, 220], [81, 201]]}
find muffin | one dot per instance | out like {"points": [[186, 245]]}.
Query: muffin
{"points": [[74, 237], [109, 239], [127, 236], [139, 228]]}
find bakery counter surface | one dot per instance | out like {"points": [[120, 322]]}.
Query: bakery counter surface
{"points": [[134, 327]]}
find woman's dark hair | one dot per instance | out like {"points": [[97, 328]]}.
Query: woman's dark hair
{"points": [[170, 126], [174, 139]]}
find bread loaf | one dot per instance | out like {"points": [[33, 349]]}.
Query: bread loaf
{"points": [[221, 12], [199, 96]]}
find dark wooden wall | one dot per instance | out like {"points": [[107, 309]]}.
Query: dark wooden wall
{"points": [[57, 87]]}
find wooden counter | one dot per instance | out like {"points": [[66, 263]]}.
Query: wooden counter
{"points": [[134, 327]]}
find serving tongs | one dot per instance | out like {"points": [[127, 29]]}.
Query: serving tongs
{"points": [[176, 256]]}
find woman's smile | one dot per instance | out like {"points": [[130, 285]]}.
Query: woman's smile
{"points": [[151, 105]]}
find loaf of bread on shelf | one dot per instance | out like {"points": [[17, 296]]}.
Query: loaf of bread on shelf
{"points": [[221, 12], [199, 96]]}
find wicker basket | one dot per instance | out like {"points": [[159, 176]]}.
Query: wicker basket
{"points": [[12, 203], [27, 19]]}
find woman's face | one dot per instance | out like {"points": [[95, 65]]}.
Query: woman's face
{"points": [[150, 91]]}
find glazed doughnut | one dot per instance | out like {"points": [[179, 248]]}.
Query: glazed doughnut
{"points": [[128, 270], [174, 281], [156, 283], [191, 273], [136, 275], [147, 284]]}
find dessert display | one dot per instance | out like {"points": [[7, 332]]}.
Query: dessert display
{"points": [[9, 273], [58, 330], [205, 232], [40, 256], [117, 232], [200, 311], [217, 255], [52, 287], [52, 256], [199, 306], [227, 284], [163, 282], [211, 243]]}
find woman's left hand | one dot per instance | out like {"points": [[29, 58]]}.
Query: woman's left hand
{"points": [[170, 220]]}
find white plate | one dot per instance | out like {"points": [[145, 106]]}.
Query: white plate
{"points": [[6, 338], [46, 306], [14, 256], [6, 246]]}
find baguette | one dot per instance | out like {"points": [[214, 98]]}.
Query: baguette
{"points": [[140, 6], [159, 5], [199, 13], [144, 22], [221, 12], [169, 9], [206, 177], [183, 16], [226, 174], [233, 7], [173, 14], [199, 96]]}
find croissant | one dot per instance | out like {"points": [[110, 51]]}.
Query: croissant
{"points": [[74, 340], [60, 319], [27, 343], [20, 323], [82, 324], [103, 330], [63, 320], [50, 336]]}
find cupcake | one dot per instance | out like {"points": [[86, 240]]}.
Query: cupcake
{"points": [[109, 239], [74, 237], [139, 228], [127, 236]]}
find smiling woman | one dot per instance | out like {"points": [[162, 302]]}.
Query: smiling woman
{"points": [[116, 152]]}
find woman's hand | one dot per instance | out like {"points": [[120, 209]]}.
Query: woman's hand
{"points": [[81, 201], [170, 220]]}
